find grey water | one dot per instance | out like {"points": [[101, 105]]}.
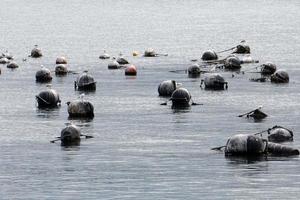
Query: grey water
{"points": [[141, 149]]}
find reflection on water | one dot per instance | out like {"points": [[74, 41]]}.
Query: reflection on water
{"points": [[141, 149], [178, 110], [80, 119], [86, 92], [80, 122], [47, 112], [72, 147], [245, 159], [130, 77]]}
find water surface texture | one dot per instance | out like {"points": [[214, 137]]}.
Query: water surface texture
{"points": [[142, 150]]}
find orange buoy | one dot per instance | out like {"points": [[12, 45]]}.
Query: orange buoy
{"points": [[61, 60], [130, 71], [135, 53]]}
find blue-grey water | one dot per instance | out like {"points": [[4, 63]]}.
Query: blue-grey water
{"points": [[142, 150]]}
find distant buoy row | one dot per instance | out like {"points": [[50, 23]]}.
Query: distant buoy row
{"points": [[234, 62], [8, 59]]}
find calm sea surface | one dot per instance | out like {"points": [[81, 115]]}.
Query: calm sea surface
{"points": [[142, 150]]}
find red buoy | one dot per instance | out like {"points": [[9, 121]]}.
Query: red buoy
{"points": [[130, 71]]}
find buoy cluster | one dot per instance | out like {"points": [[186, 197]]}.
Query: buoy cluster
{"points": [[7, 59], [240, 144], [249, 145], [257, 145]]}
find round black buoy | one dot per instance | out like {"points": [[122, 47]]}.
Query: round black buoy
{"points": [[12, 65], [61, 69], [61, 60], [150, 53], [70, 136], [232, 63], [245, 145], [194, 71], [166, 88], [4, 60], [43, 75], [209, 55], [280, 134], [104, 55], [268, 68], [131, 70], [36, 52], [121, 60], [180, 98], [80, 109], [85, 82], [280, 76], [242, 49], [113, 64], [214, 82], [48, 99]]}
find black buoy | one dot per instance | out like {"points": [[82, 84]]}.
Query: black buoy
{"points": [[242, 49], [166, 88], [209, 55], [150, 53], [80, 109], [43, 75], [70, 136], [280, 134], [121, 60], [194, 71], [214, 82], [268, 68], [245, 145], [85, 82], [180, 98], [4, 60], [36, 52], [61, 60], [61, 69], [281, 150], [113, 64], [104, 55], [12, 65], [232, 63], [280, 76], [48, 99]]}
